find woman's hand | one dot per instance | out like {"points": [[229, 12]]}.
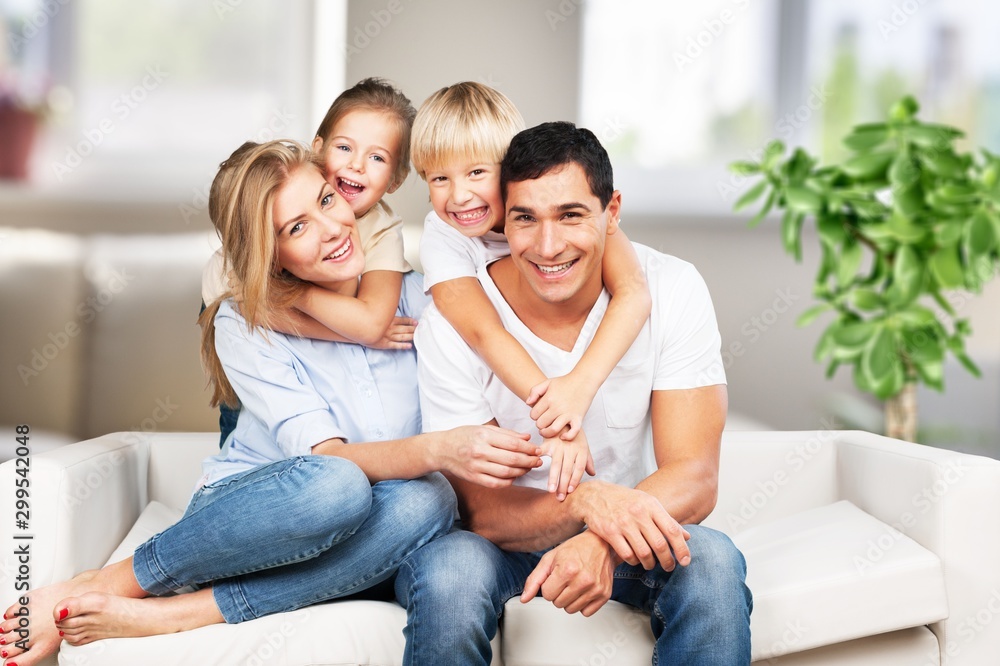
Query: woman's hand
{"points": [[486, 455], [399, 335]]}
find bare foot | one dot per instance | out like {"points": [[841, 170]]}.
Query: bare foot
{"points": [[29, 632], [95, 616]]}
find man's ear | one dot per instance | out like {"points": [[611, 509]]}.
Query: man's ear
{"points": [[317, 145], [614, 209]]}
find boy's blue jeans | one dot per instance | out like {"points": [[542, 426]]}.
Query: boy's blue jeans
{"points": [[294, 533], [455, 588]]}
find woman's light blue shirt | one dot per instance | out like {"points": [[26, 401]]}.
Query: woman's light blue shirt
{"points": [[298, 392]]}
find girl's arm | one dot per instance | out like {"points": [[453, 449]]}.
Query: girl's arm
{"points": [[465, 305], [562, 401], [363, 319]]}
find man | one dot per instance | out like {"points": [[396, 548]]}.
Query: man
{"points": [[631, 533]]}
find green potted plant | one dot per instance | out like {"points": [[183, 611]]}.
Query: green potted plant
{"points": [[902, 221]]}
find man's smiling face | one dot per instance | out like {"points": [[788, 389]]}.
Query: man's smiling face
{"points": [[557, 228]]}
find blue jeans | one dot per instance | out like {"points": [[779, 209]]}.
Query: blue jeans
{"points": [[294, 533], [455, 588]]}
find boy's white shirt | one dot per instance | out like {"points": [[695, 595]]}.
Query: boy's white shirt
{"points": [[381, 233], [445, 254]]}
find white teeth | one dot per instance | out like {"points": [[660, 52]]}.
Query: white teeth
{"points": [[343, 250], [469, 215], [351, 183], [554, 269]]}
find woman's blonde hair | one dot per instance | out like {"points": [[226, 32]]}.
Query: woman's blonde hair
{"points": [[467, 121], [241, 206]]}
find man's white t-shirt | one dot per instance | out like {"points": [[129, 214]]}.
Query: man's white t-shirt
{"points": [[678, 348], [445, 254]]}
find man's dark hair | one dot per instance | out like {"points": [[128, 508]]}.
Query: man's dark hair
{"points": [[536, 151]]}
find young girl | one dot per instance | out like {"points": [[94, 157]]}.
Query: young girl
{"points": [[326, 484]]}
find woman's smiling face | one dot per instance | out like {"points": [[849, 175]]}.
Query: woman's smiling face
{"points": [[316, 235]]}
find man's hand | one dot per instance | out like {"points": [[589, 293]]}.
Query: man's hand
{"points": [[576, 575], [486, 455], [570, 459], [633, 522]]}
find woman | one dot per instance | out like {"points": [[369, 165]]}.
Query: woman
{"points": [[295, 511]]}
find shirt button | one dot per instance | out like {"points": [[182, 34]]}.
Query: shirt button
{"points": [[368, 393], [379, 433]]}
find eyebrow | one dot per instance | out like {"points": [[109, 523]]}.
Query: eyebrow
{"points": [[301, 216], [561, 208]]}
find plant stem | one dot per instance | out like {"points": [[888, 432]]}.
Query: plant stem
{"points": [[901, 413]]}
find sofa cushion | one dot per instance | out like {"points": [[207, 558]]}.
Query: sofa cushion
{"points": [[835, 573]]}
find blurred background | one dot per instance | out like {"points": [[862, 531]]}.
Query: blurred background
{"points": [[114, 115]]}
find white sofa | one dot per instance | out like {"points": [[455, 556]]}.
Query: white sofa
{"points": [[860, 550]]}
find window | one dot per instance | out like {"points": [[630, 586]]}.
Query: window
{"points": [[678, 90], [152, 95]]}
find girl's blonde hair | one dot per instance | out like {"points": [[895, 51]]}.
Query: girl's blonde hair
{"points": [[467, 121], [241, 205]]}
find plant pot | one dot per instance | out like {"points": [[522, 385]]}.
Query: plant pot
{"points": [[17, 136]]}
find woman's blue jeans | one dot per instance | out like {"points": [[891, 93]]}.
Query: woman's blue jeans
{"points": [[455, 588], [294, 533]]}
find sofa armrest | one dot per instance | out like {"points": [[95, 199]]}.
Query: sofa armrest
{"points": [[950, 504], [84, 498]]}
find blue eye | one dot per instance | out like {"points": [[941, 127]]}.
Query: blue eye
{"points": [[344, 148], [295, 228], [327, 200], [378, 158]]}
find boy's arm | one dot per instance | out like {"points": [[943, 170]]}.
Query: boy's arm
{"points": [[363, 319], [465, 305], [562, 401]]}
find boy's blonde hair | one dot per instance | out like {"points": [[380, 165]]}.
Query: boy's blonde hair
{"points": [[241, 205], [468, 121], [379, 96]]}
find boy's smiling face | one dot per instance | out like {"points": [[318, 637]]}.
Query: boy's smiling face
{"points": [[466, 195], [360, 157]]}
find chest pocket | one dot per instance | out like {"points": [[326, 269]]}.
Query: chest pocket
{"points": [[626, 395]]}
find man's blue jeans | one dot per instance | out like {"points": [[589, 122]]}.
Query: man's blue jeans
{"points": [[455, 588], [294, 533]]}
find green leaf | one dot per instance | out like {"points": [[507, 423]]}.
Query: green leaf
{"points": [[968, 364], [946, 267], [916, 316], [865, 298], [881, 365], [774, 150], [831, 231], [907, 275], [791, 233], [931, 373], [979, 235], [831, 369], [744, 168], [931, 136], [923, 345], [904, 230], [943, 302], [909, 200], [903, 172], [750, 195], [949, 232], [942, 163], [810, 315], [803, 200], [904, 109], [850, 262], [826, 343], [853, 336], [868, 166], [864, 139], [762, 213]]}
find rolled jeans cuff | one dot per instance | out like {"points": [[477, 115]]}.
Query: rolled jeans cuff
{"points": [[148, 572]]}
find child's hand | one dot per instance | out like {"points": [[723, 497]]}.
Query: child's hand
{"points": [[558, 405], [399, 335], [570, 459]]}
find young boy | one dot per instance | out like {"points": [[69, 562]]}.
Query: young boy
{"points": [[459, 136], [364, 140]]}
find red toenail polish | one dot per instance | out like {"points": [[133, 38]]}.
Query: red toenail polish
{"points": [[3, 653], [61, 633], [63, 613]]}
